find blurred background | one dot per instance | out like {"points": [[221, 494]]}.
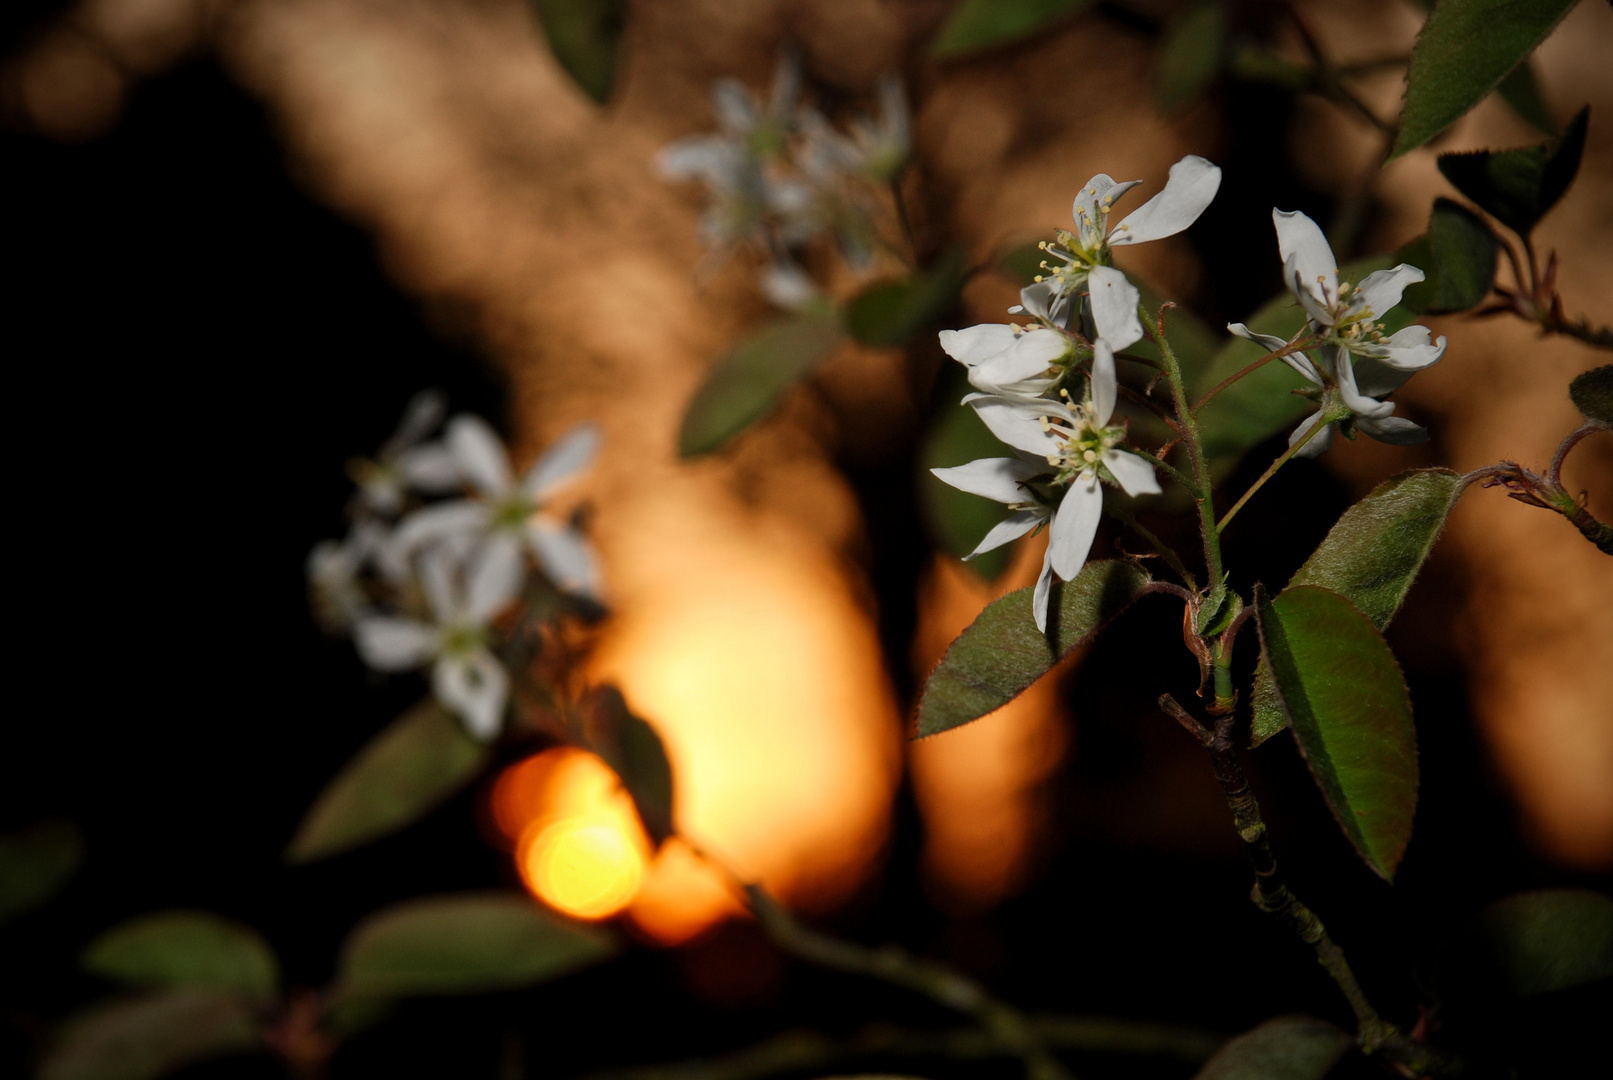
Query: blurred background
{"points": [[240, 237]]}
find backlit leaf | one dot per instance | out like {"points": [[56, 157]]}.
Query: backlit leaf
{"points": [[1002, 653], [34, 863], [463, 943], [147, 1037], [894, 312], [980, 24], [1517, 187], [1464, 51], [1457, 254], [753, 377], [634, 751], [1347, 703], [185, 949], [402, 774], [584, 36], [1286, 1048], [1192, 55], [1592, 394]]}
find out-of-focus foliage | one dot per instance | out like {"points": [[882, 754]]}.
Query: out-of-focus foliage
{"points": [[186, 949], [635, 754], [980, 24], [1528, 944], [1592, 394], [34, 863], [585, 36], [957, 519], [145, 1037], [1518, 187], [1521, 91], [1192, 55], [1285, 1048], [895, 312]]}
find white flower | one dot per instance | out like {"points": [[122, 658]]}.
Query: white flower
{"points": [[788, 286], [334, 568], [465, 675], [508, 518], [1007, 360], [402, 464], [877, 147]]}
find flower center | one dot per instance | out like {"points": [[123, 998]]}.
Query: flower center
{"points": [[513, 512], [1082, 445], [459, 639]]}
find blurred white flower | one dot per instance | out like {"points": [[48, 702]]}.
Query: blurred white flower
{"points": [[876, 147], [788, 286], [405, 463], [334, 570]]}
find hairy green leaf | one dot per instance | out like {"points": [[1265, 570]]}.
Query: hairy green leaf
{"points": [[1521, 91], [634, 751], [185, 949], [1457, 254], [147, 1037], [1266, 715], [956, 519], [463, 943], [584, 36], [1192, 55], [753, 377], [1285, 1048], [1592, 394], [34, 863], [1534, 943], [980, 24], [1002, 653], [895, 312], [1464, 51], [1347, 703], [1517, 187], [402, 774]]}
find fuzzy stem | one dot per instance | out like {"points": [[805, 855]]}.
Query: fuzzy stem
{"points": [[1201, 487], [1315, 430]]}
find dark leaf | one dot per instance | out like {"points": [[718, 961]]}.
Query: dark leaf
{"points": [[1458, 254], [1521, 91], [1287, 1048], [1592, 394], [186, 949], [402, 774], [464, 943], [1192, 55], [1530, 943], [635, 753], [147, 1037], [584, 36], [1517, 187], [754, 376], [34, 863], [1464, 51], [1347, 703], [1002, 653], [894, 312], [956, 519], [1266, 716], [980, 24]]}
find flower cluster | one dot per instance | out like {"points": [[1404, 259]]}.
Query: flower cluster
{"points": [[420, 583], [1354, 364], [778, 176], [1084, 311]]}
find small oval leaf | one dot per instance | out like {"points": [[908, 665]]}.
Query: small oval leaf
{"points": [[1286, 1048], [894, 312], [1532, 943], [584, 36], [185, 949], [1592, 394], [464, 943], [147, 1037], [34, 863], [753, 377], [398, 777], [1002, 653], [1347, 703], [1458, 255], [1517, 187], [980, 24], [1464, 51], [634, 751]]}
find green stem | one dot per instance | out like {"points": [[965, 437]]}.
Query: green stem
{"points": [[1201, 487], [1315, 430]]}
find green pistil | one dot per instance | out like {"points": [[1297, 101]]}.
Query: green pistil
{"points": [[458, 640], [513, 513]]}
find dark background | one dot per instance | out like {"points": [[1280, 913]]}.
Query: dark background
{"points": [[199, 347]]}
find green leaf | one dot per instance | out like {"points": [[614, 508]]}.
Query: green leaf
{"points": [[1464, 51], [402, 774], [1286, 1048], [634, 751], [1457, 254], [584, 36], [894, 312], [34, 863], [1592, 394], [1517, 187], [754, 376], [1521, 91], [1347, 702], [957, 520], [1192, 55], [1534, 943], [1002, 653], [147, 1037], [464, 943], [1370, 557], [980, 24], [185, 949]]}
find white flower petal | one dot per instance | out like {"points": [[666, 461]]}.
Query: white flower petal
{"points": [[439, 568], [392, 644], [1044, 586], [1135, 475], [1105, 386], [1092, 205], [1317, 446], [1380, 290], [494, 576], [1358, 403], [1395, 430], [735, 108], [1008, 529], [475, 686], [1191, 187], [565, 557], [1022, 368], [423, 413], [432, 525], [1074, 526], [1309, 294], [998, 479], [1044, 302], [480, 453], [973, 344], [1306, 255], [1017, 422], [431, 469], [1385, 366], [1271, 342], [1114, 307], [570, 455]]}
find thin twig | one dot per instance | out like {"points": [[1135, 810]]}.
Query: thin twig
{"points": [[1315, 430]]}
